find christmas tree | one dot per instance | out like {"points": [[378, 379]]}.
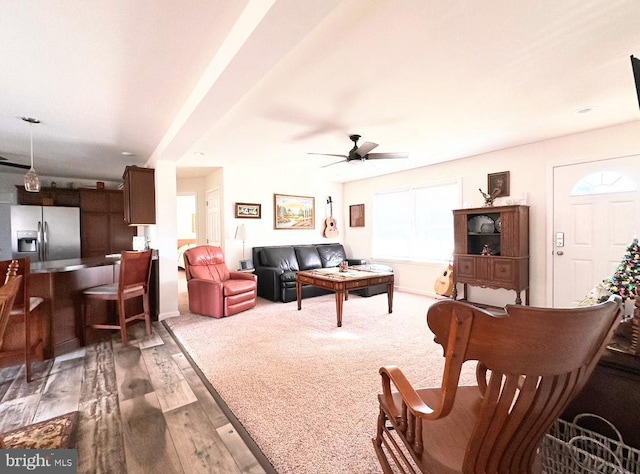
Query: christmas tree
{"points": [[626, 276]]}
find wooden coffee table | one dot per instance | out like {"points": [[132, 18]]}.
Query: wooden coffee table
{"points": [[342, 282]]}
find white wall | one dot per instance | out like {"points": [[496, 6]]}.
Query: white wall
{"points": [[164, 236], [257, 185], [529, 168]]}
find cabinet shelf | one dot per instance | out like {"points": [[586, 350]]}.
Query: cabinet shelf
{"points": [[507, 265]]}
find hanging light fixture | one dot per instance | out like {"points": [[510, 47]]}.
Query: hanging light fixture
{"points": [[31, 179]]}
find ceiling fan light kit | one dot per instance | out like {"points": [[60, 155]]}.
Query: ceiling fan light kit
{"points": [[31, 179], [360, 154]]}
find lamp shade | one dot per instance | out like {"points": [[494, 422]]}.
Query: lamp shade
{"points": [[241, 232]]}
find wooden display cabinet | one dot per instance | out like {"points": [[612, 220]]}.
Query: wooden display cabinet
{"points": [[491, 249], [139, 195]]}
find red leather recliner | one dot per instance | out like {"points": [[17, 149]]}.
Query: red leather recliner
{"points": [[213, 289]]}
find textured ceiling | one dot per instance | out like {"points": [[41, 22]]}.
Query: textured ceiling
{"points": [[263, 83]]}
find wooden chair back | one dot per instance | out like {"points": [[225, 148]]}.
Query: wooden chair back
{"points": [[530, 363], [8, 293], [135, 270], [18, 266]]}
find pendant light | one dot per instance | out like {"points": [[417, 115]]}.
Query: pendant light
{"points": [[31, 179]]}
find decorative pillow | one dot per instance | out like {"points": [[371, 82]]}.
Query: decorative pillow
{"points": [[308, 258]]}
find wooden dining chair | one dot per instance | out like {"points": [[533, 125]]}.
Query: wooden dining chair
{"points": [[8, 293], [24, 339], [133, 282], [530, 363]]}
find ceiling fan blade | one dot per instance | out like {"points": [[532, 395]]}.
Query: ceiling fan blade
{"points": [[328, 154], [334, 163], [365, 148], [15, 165], [384, 156]]}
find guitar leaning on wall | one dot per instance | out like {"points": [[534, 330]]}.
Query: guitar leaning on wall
{"points": [[444, 283], [330, 225]]}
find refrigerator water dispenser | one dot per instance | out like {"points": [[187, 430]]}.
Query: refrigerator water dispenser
{"points": [[27, 240]]}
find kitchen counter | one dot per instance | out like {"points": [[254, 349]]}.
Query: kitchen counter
{"points": [[61, 282], [72, 264]]}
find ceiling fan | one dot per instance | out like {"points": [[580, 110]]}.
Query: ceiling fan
{"points": [[359, 154], [4, 162]]}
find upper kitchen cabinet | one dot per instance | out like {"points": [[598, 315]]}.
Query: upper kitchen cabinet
{"points": [[49, 197], [139, 195], [103, 229]]}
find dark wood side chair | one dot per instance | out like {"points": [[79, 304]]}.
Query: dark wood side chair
{"points": [[530, 363], [133, 282], [24, 331]]}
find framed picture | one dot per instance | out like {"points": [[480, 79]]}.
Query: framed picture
{"points": [[356, 215], [245, 210], [293, 212], [498, 181]]}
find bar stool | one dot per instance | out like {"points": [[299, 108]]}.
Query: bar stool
{"points": [[133, 282], [25, 319]]}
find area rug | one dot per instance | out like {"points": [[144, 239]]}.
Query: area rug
{"points": [[56, 433], [304, 389]]}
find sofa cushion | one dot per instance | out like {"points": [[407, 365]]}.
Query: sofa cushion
{"points": [[331, 255], [279, 257], [308, 258]]}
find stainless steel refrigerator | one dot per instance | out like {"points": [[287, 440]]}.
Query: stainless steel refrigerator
{"points": [[45, 232]]}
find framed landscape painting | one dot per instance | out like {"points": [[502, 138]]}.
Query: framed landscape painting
{"points": [[293, 212]]}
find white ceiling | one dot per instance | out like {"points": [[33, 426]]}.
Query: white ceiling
{"points": [[264, 82]]}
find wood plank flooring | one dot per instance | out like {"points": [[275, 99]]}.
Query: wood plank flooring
{"points": [[144, 408]]}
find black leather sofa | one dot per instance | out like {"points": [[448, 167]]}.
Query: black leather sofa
{"points": [[276, 267]]}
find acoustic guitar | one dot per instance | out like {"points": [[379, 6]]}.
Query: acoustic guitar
{"points": [[330, 225], [444, 283]]}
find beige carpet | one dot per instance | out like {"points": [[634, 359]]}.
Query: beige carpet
{"points": [[304, 389]]}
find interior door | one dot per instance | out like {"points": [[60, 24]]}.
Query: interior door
{"points": [[596, 215], [214, 221]]}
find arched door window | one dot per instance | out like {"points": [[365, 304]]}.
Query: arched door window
{"points": [[603, 182]]}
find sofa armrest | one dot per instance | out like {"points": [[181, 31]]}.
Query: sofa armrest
{"points": [[242, 276], [269, 282], [199, 286], [356, 261]]}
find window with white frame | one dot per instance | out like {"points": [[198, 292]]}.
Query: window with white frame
{"points": [[415, 223]]}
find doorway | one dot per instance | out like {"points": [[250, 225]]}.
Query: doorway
{"points": [[186, 223], [214, 219], [596, 215]]}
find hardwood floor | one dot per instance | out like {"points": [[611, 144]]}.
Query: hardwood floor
{"points": [[143, 408]]}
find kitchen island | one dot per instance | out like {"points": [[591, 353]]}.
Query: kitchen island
{"points": [[61, 283]]}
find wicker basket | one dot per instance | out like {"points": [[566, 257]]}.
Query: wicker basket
{"points": [[570, 449]]}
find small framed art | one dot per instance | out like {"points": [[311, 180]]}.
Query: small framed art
{"points": [[245, 210], [498, 182], [356, 215]]}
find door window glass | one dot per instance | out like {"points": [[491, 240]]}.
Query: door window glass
{"points": [[603, 182]]}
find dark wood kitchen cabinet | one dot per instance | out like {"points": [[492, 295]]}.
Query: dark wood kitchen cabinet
{"points": [[49, 197], [139, 195], [491, 249], [103, 230]]}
